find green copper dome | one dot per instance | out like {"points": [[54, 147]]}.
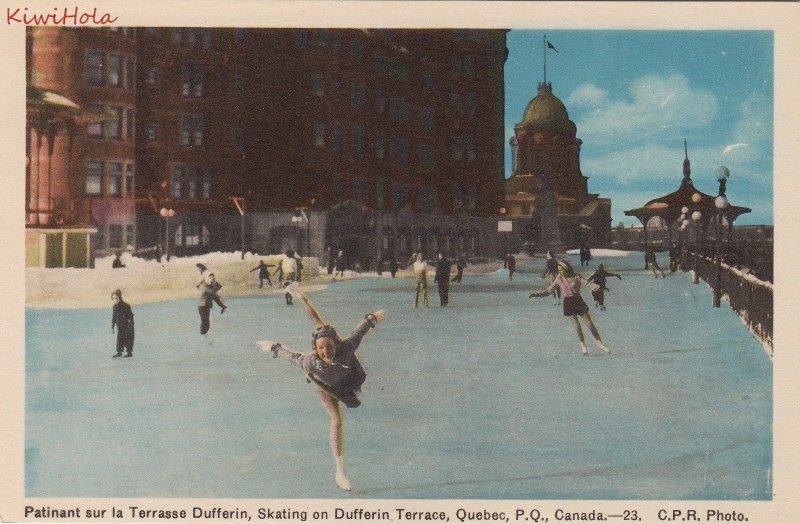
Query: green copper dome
{"points": [[546, 112]]}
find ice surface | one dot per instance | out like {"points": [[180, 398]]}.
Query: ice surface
{"points": [[487, 398]]}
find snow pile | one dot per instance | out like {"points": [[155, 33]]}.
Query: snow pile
{"points": [[151, 281], [601, 252]]}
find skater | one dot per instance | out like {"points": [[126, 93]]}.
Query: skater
{"points": [[421, 276], [209, 288], [574, 306], [340, 263], [117, 263], [379, 267], [674, 258], [585, 255], [652, 262], [299, 261], [329, 260], [122, 318], [288, 273], [551, 272], [263, 273], [461, 263], [336, 371], [393, 267], [598, 282], [510, 263], [442, 279]]}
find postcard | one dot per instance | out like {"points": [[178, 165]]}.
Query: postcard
{"points": [[399, 262]]}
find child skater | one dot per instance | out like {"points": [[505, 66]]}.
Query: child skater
{"points": [[551, 272], [122, 318], [598, 282], [335, 369], [574, 306]]}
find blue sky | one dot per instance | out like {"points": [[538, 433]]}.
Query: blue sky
{"points": [[635, 95]]}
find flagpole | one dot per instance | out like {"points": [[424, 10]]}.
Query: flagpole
{"points": [[544, 54]]}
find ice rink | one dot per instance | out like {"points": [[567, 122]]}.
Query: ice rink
{"points": [[488, 398]]}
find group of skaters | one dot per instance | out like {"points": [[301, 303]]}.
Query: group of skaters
{"points": [[441, 277]]}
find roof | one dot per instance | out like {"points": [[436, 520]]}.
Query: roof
{"points": [[670, 206], [546, 112]]}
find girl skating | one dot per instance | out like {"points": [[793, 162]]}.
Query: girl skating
{"points": [[335, 369], [570, 284]]}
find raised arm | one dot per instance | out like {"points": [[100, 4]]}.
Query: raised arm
{"points": [[312, 311]]}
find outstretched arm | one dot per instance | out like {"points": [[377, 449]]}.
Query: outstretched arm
{"points": [[546, 292], [312, 311]]}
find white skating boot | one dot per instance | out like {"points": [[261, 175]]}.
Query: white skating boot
{"points": [[341, 478]]}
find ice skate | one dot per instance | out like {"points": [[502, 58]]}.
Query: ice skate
{"points": [[600, 345], [342, 482], [584, 351]]}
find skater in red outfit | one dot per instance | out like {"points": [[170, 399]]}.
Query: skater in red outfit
{"points": [[335, 369]]}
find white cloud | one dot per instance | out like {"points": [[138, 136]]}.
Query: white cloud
{"points": [[589, 96], [655, 103]]}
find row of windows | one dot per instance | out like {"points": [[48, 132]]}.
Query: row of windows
{"points": [[427, 198], [103, 69], [109, 178], [191, 235], [119, 123], [192, 182], [460, 104], [463, 148], [193, 82]]}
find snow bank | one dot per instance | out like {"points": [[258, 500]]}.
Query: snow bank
{"points": [[602, 252], [151, 281]]}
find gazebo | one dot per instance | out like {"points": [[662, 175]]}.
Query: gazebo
{"points": [[684, 203]]}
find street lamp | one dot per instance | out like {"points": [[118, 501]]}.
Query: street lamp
{"points": [[721, 203], [167, 213]]}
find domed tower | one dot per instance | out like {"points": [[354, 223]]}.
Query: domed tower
{"points": [[548, 150]]}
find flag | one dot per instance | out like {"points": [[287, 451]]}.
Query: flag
{"points": [[551, 46]]}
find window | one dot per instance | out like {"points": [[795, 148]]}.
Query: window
{"points": [[470, 147], [319, 134], [205, 181], [359, 96], [455, 104], [151, 76], [400, 194], [336, 189], [427, 158], [150, 132], [336, 136], [238, 139], [317, 84], [94, 177], [455, 192], [176, 182], [94, 68], [192, 80], [380, 145], [113, 126], [130, 74], [359, 142], [400, 150], [427, 118], [457, 147], [380, 191], [115, 239], [193, 235], [470, 103], [114, 179], [319, 38], [128, 189], [336, 89], [472, 197], [129, 124], [95, 129], [239, 84], [468, 65], [192, 127], [359, 190], [400, 110], [357, 51], [427, 199], [427, 82], [380, 102], [302, 38], [130, 235]]}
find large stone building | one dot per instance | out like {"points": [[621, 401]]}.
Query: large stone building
{"points": [[397, 132], [547, 197]]}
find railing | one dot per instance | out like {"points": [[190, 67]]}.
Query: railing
{"points": [[750, 297]]}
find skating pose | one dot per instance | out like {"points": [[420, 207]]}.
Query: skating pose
{"points": [[511, 264], [652, 263], [122, 318], [340, 263], [209, 292], [551, 272], [421, 275], [442, 279], [263, 273], [574, 306], [460, 265], [335, 369], [598, 282]]}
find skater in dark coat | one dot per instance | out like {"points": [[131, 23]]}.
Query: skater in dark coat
{"points": [[598, 284], [122, 319], [117, 263], [511, 264], [263, 273], [442, 279], [551, 272], [393, 267], [461, 263], [208, 288], [340, 263], [336, 371]]}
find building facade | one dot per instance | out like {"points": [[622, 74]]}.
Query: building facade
{"points": [[547, 197], [395, 122]]}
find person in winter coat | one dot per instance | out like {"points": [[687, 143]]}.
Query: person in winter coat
{"points": [[510, 263], [263, 273], [421, 277], [209, 293], [598, 283], [122, 319], [551, 272], [442, 279], [336, 371]]}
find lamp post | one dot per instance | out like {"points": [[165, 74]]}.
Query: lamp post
{"points": [[239, 203], [167, 213], [721, 203]]}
